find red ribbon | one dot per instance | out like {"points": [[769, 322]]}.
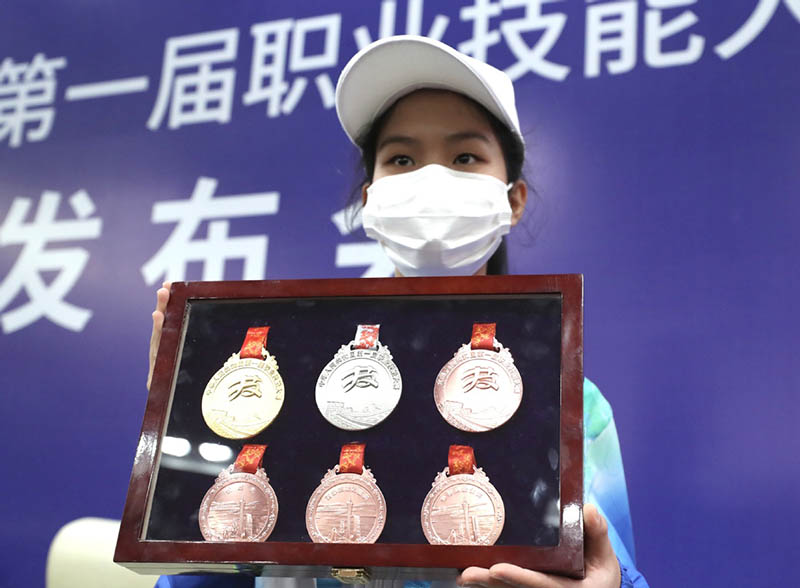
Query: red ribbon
{"points": [[351, 458], [461, 460], [254, 343], [367, 336], [483, 336], [249, 458]]}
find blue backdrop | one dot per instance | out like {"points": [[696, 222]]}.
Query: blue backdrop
{"points": [[197, 140]]}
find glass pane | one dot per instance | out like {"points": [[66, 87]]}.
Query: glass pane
{"points": [[405, 451]]}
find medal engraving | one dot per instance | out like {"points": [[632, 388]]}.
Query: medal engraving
{"points": [[243, 397], [464, 509], [346, 508], [240, 506], [359, 388], [478, 390]]}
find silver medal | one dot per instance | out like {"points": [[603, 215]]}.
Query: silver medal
{"points": [[361, 385]]}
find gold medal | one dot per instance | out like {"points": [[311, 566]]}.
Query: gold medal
{"points": [[246, 393]]}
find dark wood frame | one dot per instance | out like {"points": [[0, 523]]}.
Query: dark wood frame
{"points": [[393, 560]]}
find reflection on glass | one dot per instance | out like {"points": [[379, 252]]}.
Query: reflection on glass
{"points": [[423, 332], [215, 452], [176, 446]]}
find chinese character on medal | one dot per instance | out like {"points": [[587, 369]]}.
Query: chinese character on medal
{"points": [[361, 385], [246, 394], [480, 388]]}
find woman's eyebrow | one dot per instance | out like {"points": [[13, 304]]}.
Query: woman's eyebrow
{"points": [[401, 139], [465, 135]]}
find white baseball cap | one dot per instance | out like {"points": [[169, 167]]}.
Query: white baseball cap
{"points": [[388, 69]]}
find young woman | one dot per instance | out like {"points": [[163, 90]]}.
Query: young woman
{"points": [[443, 153]]}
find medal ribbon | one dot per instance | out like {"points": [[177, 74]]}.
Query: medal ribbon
{"points": [[249, 459], [483, 336], [254, 343], [461, 460], [367, 336], [351, 459]]}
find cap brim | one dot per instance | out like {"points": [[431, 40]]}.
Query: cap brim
{"points": [[380, 74]]}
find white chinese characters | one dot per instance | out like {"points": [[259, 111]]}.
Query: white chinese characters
{"points": [[386, 25], [46, 300], [27, 92], [273, 54], [534, 59], [182, 247], [529, 59], [290, 56], [205, 92], [610, 28], [367, 254], [757, 22]]}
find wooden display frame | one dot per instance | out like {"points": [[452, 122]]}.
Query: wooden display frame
{"points": [[384, 560]]}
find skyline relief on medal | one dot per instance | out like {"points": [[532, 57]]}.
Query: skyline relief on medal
{"points": [[464, 509], [237, 512], [346, 514], [240, 506], [346, 508], [463, 515]]}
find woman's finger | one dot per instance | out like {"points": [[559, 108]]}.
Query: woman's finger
{"points": [[162, 298], [155, 339], [600, 560], [598, 549], [479, 578], [517, 577]]}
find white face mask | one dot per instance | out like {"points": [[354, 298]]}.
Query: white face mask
{"points": [[436, 221]]}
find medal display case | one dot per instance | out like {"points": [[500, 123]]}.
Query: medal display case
{"points": [[487, 369]]}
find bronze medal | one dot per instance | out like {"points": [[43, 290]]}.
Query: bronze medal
{"points": [[246, 393], [480, 388], [241, 505], [347, 506], [462, 507]]}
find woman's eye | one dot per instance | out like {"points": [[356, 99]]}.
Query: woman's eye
{"points": [[401, 160], [465, 159]]}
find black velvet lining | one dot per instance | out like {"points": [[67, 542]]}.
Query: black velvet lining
{"points": [[404, 452]]}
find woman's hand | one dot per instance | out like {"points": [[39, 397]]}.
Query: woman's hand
{"points": [[602, 567], [162, 297]]}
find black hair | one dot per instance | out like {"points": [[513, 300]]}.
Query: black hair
{"points": [[510, 143]]}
